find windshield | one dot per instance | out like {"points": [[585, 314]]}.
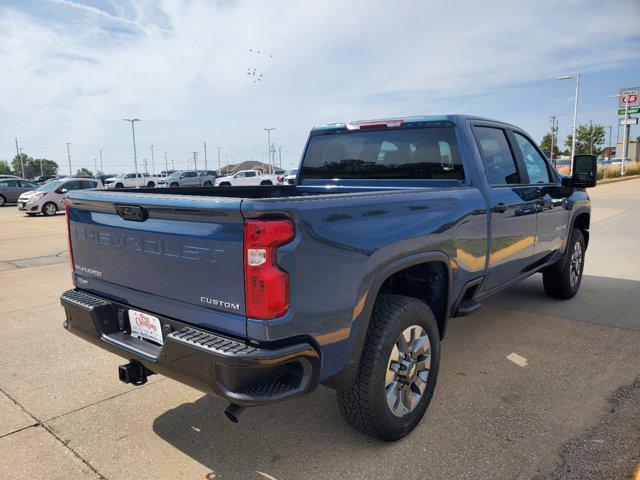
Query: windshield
{"points": [[418, 151], [293, 172], [47, 187], [175, 174]]}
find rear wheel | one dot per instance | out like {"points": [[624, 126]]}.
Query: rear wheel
{"points": [[3, 200], [207, 184], [49, 209], [563, 279], [151, 184], [266, 182], [398, 369], [174, 184], [224, 184]]}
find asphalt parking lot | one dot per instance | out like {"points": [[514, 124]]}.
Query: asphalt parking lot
{"points": [[566, 405]]}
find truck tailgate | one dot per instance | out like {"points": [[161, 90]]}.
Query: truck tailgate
{"points": [[182, 251]]}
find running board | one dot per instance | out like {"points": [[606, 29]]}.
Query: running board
{"points": [[467, 307]]}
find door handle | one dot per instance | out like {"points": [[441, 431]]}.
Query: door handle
{"points": [[500, 208]]}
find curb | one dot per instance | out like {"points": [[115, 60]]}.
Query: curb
{"points": [[618, 179]]}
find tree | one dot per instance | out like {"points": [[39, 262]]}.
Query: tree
{"points": [[545, 145], [83, 172], [4, 168], [589, 139], [32, 166]]}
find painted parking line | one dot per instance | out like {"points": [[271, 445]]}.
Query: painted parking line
{"points": [[636, 476], [518, 360]]}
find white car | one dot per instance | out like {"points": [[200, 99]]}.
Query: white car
{"points": [[51, 197], [246, 177], [129, 180], [290, 177]]}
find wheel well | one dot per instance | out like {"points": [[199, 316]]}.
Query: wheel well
{"points": [[582, 223], [428, 282]]}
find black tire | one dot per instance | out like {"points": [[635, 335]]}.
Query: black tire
{"points": [[3, 200], [119, 185], [563, 279], [49, 209], [31, 214], [266, 182], [207, 184], [151, 184], [174, 184], [364, 405], [224, 184]]}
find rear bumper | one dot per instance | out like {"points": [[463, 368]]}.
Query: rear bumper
{"points": [[214, 364]]}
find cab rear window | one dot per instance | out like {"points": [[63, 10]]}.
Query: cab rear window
{"points": [[402, 153]]}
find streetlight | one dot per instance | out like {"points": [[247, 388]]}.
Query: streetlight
{"points": [[101, 167], [135, 155], [69, 157], [625, 131], [575, 116], [268, 130]]}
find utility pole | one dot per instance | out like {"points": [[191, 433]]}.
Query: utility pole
{"points": [[280, 157], [553, 140], [269, 130], [95, 167], [575, 116], [610, 127], [101, 166], [135, 155], [153, 164], [195, 160], [69, 157], [591, 137], [146, 170], [206, 165], [19, 156], [219, 164], [166, 164]]}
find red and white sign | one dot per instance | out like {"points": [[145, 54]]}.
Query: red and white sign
{"points": [[629, 96], [145, 326]]}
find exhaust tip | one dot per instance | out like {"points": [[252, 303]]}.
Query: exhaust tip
{"points": [[233, 411]]}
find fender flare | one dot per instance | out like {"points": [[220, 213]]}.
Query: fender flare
{"points": [[347, 376]]}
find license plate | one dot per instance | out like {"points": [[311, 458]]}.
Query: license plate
{"points": [[145, 326]]}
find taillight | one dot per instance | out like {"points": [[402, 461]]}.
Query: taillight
{"points": [[66, 212], [382, 123], [266, 285]]}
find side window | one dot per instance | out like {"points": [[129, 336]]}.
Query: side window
{"points": [[239, 175], [191, 174], [497, 159], [250, 174], [535, 164], [88, 184], [10, 183], [75, 185]]}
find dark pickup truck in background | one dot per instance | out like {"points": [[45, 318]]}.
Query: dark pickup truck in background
{"points": [[348, 278]]}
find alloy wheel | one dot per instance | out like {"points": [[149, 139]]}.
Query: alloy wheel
{"points": [[408, 370], [576, 264]]}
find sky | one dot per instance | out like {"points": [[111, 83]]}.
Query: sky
{"points": [[221, 71]]}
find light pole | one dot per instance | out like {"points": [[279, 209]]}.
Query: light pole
{"points": [[153, 165], [269, 130], [101, 166], [166, 165], [135, 154], [206, 165], [95, 167], [69, 157], [625, 131], [575, 116], [219, 164]]}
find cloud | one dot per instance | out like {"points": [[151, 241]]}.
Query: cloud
{"points": [[77, 69]]}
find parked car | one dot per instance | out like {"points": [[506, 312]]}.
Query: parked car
{"points": [[207, 177], [12, 188], [10, 176], [51, 197], [189, 178], [347, 278], [131, 180], [41, 179], [246, 177], [290, 177]]}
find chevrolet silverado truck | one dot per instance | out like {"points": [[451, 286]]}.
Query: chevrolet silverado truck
{"points": [[347, 279]]}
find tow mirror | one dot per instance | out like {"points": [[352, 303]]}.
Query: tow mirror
{"points": [[585, 170], [64, 190]]}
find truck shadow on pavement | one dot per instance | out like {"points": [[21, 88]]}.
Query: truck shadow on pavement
{"points": [[484, 406]]}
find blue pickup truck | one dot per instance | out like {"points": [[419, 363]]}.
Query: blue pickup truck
{"points": [[347, 278]]}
